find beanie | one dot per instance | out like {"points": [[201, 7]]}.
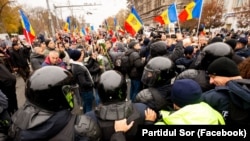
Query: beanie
{"points": [[75, 54], [223, 66], [189, 50], [231, 43], [185, 92], [41, 38], [132, 44]]}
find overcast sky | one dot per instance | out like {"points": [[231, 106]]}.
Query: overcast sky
{"points": [[99, 13]]}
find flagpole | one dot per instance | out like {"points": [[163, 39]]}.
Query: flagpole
{"points": [[199, 19], [177, 17]]}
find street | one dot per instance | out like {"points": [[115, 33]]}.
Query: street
{"points": [[20, 88]]}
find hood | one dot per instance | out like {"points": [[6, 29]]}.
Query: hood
{"points": [[37, 124], [240, 92]]}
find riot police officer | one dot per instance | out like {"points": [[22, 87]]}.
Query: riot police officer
{"points": [[46, 115]]}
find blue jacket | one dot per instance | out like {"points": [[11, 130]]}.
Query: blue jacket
{"points": [[223, 98]]}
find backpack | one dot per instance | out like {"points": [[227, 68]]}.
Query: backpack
{"points": [[122, 63]]}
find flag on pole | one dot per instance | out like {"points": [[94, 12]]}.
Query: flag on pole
{"points": [[92, 28], [76, 29], [115, 24], [192, 10], [167, 16], [28, 31], [133, 23], [82, 33], [87, 29], [67, 25], [106, 24]]}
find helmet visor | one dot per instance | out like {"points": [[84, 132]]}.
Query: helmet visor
{"points": [[149, 77], [68, 93]]}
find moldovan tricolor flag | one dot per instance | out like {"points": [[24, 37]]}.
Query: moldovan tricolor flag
{"points": [[167, 16], [83, 32], [66, 27], [133, 23], [192, 10], [27, 28]]}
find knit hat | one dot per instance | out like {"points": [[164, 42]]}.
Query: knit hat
{"points": [[41, 38], [75, 54], [223, 66], [185, 92], [231, 43], [132, 44], [189, 50]]}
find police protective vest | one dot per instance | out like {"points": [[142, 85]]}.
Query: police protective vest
{"points": [[196, 114]]}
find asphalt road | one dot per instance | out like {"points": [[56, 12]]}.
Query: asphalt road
{"points": [[20, 88]]}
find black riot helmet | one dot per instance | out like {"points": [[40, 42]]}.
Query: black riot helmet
{"points": [[112, 87], [49, 88], [212, 52], [158, 71]]}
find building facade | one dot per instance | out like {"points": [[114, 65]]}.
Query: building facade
{"points": [[148, 9], [235, 11]]}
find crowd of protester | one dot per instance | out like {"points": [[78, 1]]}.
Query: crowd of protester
{"points": [[173, 79]]}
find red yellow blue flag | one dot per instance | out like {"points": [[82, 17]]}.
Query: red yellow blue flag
{"points": [[66, 27], [167, 16], [192, 10], [133, 23], [28, 31]]}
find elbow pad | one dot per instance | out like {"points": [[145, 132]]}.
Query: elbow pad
{"points": [[144, 96], [188, 74], [87, 127]]}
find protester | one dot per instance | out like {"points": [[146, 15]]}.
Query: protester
{"points": [[19, 59], [54, 60], [137, 64], [36, 58], [188, 57], [230, 90], [241, 48], [83, 79]]}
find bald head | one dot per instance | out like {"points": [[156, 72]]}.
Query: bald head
{"points": [[53, 57]]}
